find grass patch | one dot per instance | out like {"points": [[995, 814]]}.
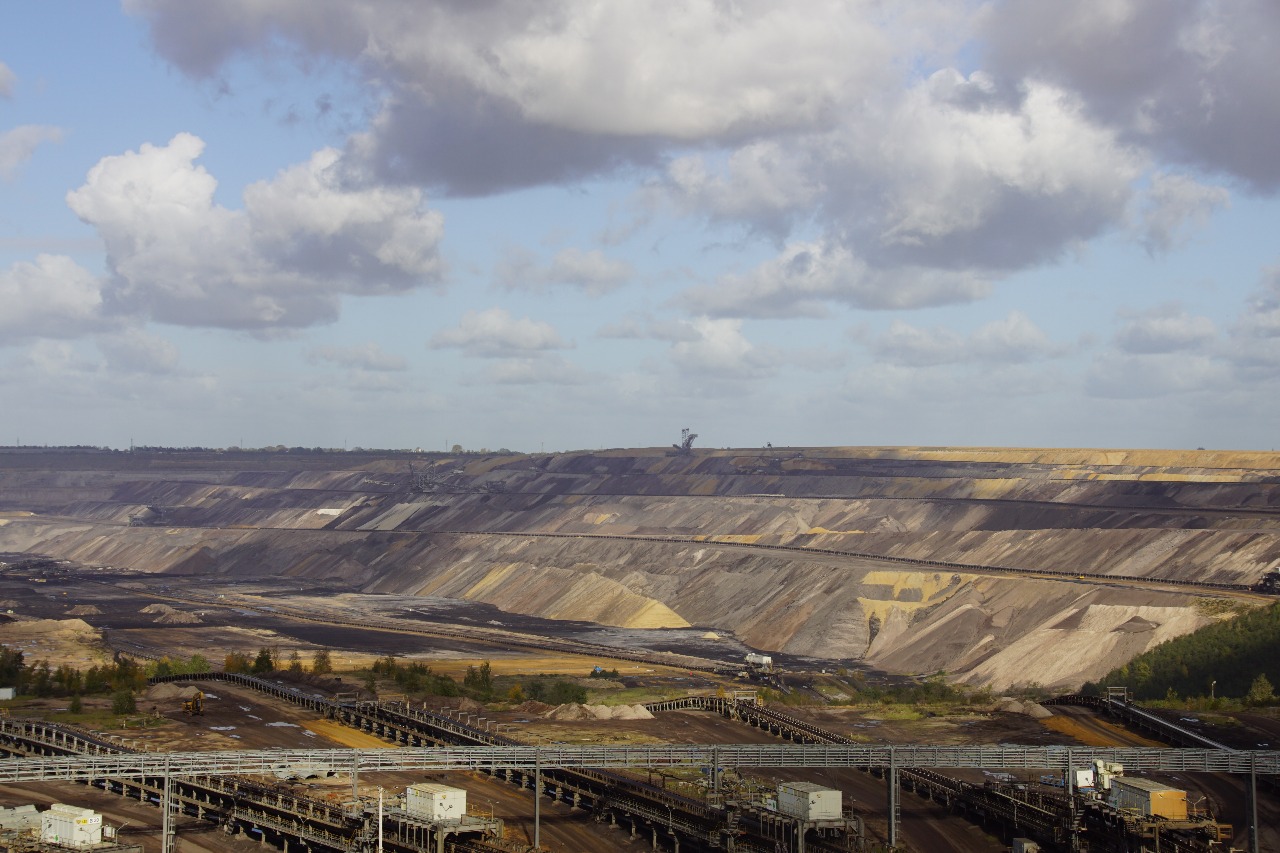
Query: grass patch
{"points": [[1219, 607], [894, 713]]}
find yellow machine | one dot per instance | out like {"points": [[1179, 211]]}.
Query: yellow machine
{"points": [[194, 706]]}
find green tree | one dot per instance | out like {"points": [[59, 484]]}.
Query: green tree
{"points": [[68, 679], [320, 662], [96, 680], [10, 666], [295, 663], [198, 663], [123, 702], [565, 692], [479, 680], [42, 679], [76, 705], [1261, 691], [127, 674], [263, 662]]}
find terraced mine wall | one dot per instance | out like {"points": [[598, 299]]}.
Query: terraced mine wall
{"points": [[691, 527]]}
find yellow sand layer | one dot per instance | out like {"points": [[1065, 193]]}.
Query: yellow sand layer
{"points": [[347, 736], [929, 583], [735, 538], [492, 580], [1078, 456]]}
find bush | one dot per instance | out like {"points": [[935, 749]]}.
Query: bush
{"points": [[320, 662], [123, 702]]}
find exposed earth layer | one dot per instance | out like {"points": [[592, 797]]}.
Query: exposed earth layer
{"points": [[529, 534]]}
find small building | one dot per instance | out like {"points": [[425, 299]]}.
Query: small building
{"points": [[436, 802], [1148, 797], [809, 801], [8, 692], [70, 826]]}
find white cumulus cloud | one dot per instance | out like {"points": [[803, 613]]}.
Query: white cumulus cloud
{"points": [[1184, 78], [54, 297], [717, 347], [303, 240]]}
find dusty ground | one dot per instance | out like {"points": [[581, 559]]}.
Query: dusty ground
{"points": [[73, 642]]}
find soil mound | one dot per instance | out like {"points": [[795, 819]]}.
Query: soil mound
{"points": [[1031, 709], [570, 711], [84, 610], [169, 692], [461, 703], [166, 615], [574, 711], [532, 706]]}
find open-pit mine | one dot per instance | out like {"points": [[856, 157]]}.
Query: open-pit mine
{"points": [[996, 567], [707, 580]]}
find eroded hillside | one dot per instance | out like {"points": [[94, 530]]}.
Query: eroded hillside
{"points": [[530, 534]]}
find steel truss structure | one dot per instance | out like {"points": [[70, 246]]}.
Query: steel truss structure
{"points": [[135, 765]]}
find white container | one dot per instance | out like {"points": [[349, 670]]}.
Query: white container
{"points": [[433, 801], [70, 826], [1025, 845], [762, 661], [808, 801]]}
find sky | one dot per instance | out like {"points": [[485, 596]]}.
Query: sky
{"points": [[577, 224]]}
